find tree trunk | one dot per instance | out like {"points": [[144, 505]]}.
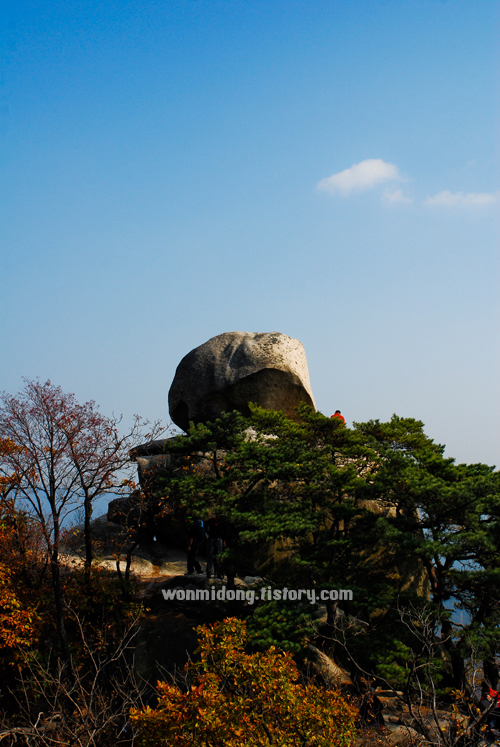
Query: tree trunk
{"points": [[88, 538], [331, 613], [490, 671], [457, 660], [56, 585], [129, 561]]}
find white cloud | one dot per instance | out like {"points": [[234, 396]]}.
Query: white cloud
{"points": [[469, 199], [395, 196], [360, 176]]}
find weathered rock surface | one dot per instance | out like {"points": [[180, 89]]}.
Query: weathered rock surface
{"points": [[235, 368], [330, 673], [404, 735], [124, 511], [112, 540]]}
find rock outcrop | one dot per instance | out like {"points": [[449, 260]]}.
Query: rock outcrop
{"points": [[331, 674], [113, 541], [235, 368]]}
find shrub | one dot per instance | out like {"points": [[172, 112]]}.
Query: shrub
{"points": [[235, 699]]}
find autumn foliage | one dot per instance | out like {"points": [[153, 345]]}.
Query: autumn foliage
{"points": [[18, 621], [237, 699]]}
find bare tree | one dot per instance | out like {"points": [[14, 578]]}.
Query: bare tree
{"points": [[64, 455], [462, 724], [88, 709]]}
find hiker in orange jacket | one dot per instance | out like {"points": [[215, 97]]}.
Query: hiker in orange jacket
{"points": [[338, 414]]}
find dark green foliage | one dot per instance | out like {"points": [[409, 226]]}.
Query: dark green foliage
{"points": [[377, 509], [447, 515], [285, 625]]}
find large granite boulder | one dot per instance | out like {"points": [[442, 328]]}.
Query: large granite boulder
{"points": [[235, 368]]}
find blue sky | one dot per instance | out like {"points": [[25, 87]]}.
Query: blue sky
{"points": [[329, 170]]}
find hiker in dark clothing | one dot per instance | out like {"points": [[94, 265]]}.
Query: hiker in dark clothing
{"points": [[196, 534], [215, 546]]}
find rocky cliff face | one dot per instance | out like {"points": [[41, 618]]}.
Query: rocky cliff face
{"points": [[235, 368], [226, 373]]}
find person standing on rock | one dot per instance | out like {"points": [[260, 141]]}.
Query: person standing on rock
{"points": [[196, 535], [215, 546], [338, 414]]}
